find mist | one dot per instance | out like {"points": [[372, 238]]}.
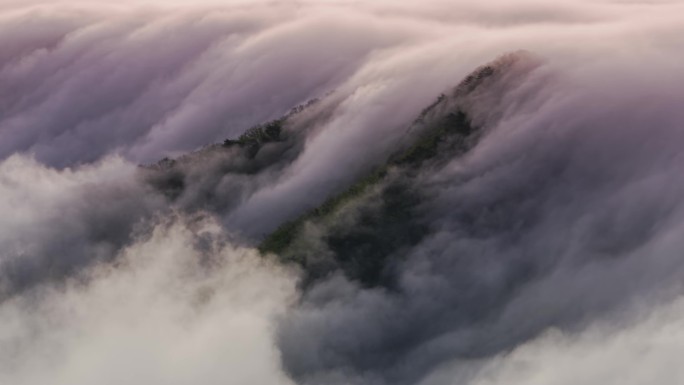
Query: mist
{"points": [[551, 248], [179, 306]]}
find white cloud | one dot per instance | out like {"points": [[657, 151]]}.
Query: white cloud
{"points": [[635, 352], [169, 300], [180, 306]]}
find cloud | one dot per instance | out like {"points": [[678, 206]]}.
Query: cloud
{"points": [[180, 306], [564, 213], [567, 212], [639, 352], [223, 73], [55, 222], [235, 65]]}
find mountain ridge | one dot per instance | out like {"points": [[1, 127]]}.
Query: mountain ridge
{"points": [[362, 228]]}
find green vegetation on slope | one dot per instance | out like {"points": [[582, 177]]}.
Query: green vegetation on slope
{"points": [[282, 237], [360, 229], [386, 219], [259, 134], [354, 231], [426, 147]]}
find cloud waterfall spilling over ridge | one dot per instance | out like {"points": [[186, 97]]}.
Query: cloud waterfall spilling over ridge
{"points": [[551, 221], [155, 80], [546, 249]]}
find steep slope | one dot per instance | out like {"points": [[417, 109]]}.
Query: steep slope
{"points": [[364, 230], [214, 178]]}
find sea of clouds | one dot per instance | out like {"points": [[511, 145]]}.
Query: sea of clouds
{"points": [[556, 250]]}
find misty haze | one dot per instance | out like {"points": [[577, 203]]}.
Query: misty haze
{"points": [[341, 192]]}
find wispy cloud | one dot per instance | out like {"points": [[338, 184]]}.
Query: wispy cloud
{"points": [[566, 216]]}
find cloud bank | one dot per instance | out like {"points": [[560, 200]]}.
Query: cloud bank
{"points": [[553, 246], [179, 306], [551, 221]]}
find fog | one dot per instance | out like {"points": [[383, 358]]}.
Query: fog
{"points": [[179, 306], [552, 254]]}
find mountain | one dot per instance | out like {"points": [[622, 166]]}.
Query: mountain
{"points": [[194, 181], [367, 227]]}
